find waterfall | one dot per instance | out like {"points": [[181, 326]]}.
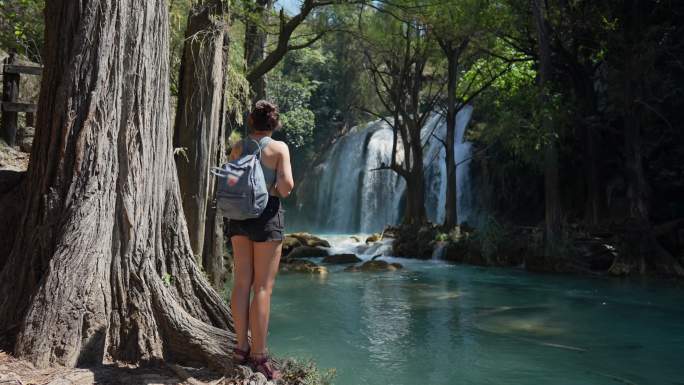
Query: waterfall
{"points": [[345, 194]]}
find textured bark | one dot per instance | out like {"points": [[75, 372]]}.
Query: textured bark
{"points": [[551, 185], [101, 269], [12, 195], [199, 130]]}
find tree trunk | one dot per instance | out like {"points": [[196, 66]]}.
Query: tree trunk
{"points": [[551, 186], [10, 93], [255, 45], [451, 211], [415, 199], [199, 132], [102, 269], [415, 178], [12, 196], [591, 168]]}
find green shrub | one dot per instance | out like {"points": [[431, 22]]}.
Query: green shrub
{"points": [[305, 372]]}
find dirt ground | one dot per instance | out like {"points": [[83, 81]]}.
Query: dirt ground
{"points": [[17, 372], [12, 159]]}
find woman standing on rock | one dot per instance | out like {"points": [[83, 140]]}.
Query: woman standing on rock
{"points": [[257, 243]]}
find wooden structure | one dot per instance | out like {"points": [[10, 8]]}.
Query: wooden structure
{"points": [[10, 106]]}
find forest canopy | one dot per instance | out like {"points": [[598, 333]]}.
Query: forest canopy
{"points": [[595, 99]]}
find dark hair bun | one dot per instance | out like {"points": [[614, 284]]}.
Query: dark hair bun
{"points": [[265, 116]]}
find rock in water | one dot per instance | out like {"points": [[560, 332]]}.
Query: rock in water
{"points": [[289, 244], [308, 252], [309, 240], [414, 241], [302, 266], [374, 266], [341, 259], [380, 265], [373, 238]]}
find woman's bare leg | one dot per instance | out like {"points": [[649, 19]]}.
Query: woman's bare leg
{"points": [[266, 260], [243, 275]]}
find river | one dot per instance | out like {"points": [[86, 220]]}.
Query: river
{"points": [[439, 323]]}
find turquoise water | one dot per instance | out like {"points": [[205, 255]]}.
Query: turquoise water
{"points": [[437, 323]]}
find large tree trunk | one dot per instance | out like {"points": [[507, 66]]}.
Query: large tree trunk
{"points": [[101, 269], [551, 187], [12, 196], [255, 44], [199, 130]]}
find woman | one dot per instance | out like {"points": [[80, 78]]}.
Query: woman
{"points": [[257, 243]]}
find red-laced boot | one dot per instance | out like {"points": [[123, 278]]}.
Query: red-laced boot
{"points": [[240, 357], [263, 364]]}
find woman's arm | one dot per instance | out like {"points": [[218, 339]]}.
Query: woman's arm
{"points": [[284, 180]]}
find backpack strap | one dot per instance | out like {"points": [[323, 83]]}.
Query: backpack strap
{"points": [[261, 143]]}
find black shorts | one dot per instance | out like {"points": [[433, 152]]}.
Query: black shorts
{"points": [[269, 226]]}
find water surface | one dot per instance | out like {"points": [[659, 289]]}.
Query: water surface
{"points": [[437, 323]]}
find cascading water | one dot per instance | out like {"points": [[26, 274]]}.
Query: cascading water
{"points": [[347, 194]]}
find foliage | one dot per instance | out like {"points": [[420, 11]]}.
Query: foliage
{"points": [[305, 373], [237, 86], [20, 27], [167, 279], [492, 236], [614, 63], [442, 237], [292, 91], [178, 20]]}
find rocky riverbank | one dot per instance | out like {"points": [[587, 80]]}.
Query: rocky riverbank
{"points": [[14, 371], [299, 248], [580, 251]]}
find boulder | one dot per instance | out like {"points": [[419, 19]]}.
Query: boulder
{"points": [[307, 239], [308, 252], [414, 241], [302, 266], [390, 232], [380, 265], [341, 259], [373, 238], [355, 238], [374, 266], [289, 244]]}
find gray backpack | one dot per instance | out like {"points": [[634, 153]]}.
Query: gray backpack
{"points": [[242, 192]]}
